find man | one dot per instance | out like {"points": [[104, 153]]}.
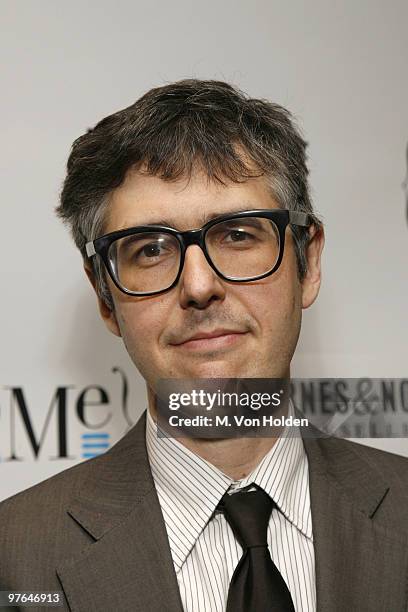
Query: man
{"points": [[238, 524]]}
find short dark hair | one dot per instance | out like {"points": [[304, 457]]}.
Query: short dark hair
{"points": [[174, 129]]}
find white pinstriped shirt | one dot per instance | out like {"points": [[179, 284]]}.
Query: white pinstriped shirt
{"points": [[203, 546]]}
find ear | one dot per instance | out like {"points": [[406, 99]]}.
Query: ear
{"points": [[311, 282], [108, 315]]}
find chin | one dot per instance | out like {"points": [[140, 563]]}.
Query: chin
{"points": [[218, 369]]}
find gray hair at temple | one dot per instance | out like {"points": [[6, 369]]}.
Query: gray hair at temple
{"points": [[173, 130]]}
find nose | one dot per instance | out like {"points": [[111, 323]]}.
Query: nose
{"points": [[199, 285]]}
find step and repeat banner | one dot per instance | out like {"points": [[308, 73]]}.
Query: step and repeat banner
{"points": [[68, 390]]}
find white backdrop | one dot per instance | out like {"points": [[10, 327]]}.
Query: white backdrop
{"points": [[340, 67]]}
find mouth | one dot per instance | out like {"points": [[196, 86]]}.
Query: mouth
{"points": [[211, 341]]}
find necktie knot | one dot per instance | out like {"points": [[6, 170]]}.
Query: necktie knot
{"points": [[248, 513]]}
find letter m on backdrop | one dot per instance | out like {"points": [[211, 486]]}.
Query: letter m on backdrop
{"points": [[19, 408]]}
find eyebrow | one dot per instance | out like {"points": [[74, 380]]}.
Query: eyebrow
{"points": [[207, 217]]}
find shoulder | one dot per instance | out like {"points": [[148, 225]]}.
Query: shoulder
{"points": [[389, 465], [36, 519], [36, 531], [373, 479], [53, 494], [47, 495], [375, 482], [37, 527]]}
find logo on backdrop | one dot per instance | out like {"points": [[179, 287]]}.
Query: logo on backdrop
{"points": [[75, 422]]}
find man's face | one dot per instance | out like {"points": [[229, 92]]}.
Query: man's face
{"points": [[257, 323]]}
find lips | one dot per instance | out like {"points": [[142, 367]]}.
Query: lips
{"points": [[200, 338]]}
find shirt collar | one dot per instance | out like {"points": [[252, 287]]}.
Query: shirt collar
{"points": [[190, 488]]}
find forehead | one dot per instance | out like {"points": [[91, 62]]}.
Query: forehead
{"points": [[183, 204]]}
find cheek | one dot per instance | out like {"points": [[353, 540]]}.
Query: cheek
{"points": [[277, 310], [281, 314], [275, 304], [141, 324]]}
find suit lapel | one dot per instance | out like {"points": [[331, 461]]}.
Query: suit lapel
{"points": [[129, 564], [352, 548]]}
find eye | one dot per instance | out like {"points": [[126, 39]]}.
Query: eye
{"points": [[238, 235], [154, 249], [234, 234], [144, 249], [150, 249]]}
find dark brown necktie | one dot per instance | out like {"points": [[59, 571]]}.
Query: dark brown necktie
{"points": [[256, 585]]}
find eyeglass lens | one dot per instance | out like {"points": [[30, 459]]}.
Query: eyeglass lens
{"points": [[240, 249]]}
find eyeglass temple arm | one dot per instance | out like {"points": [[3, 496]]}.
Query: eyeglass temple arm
{"points": [[299, 218]]}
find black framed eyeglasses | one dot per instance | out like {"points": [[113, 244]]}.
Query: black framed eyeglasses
{"points": [[243, 246]]}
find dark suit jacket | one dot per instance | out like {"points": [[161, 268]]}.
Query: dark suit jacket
{"points": [[96, 532]]}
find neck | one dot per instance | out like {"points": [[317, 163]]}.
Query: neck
{"points": [[235, 457]]}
